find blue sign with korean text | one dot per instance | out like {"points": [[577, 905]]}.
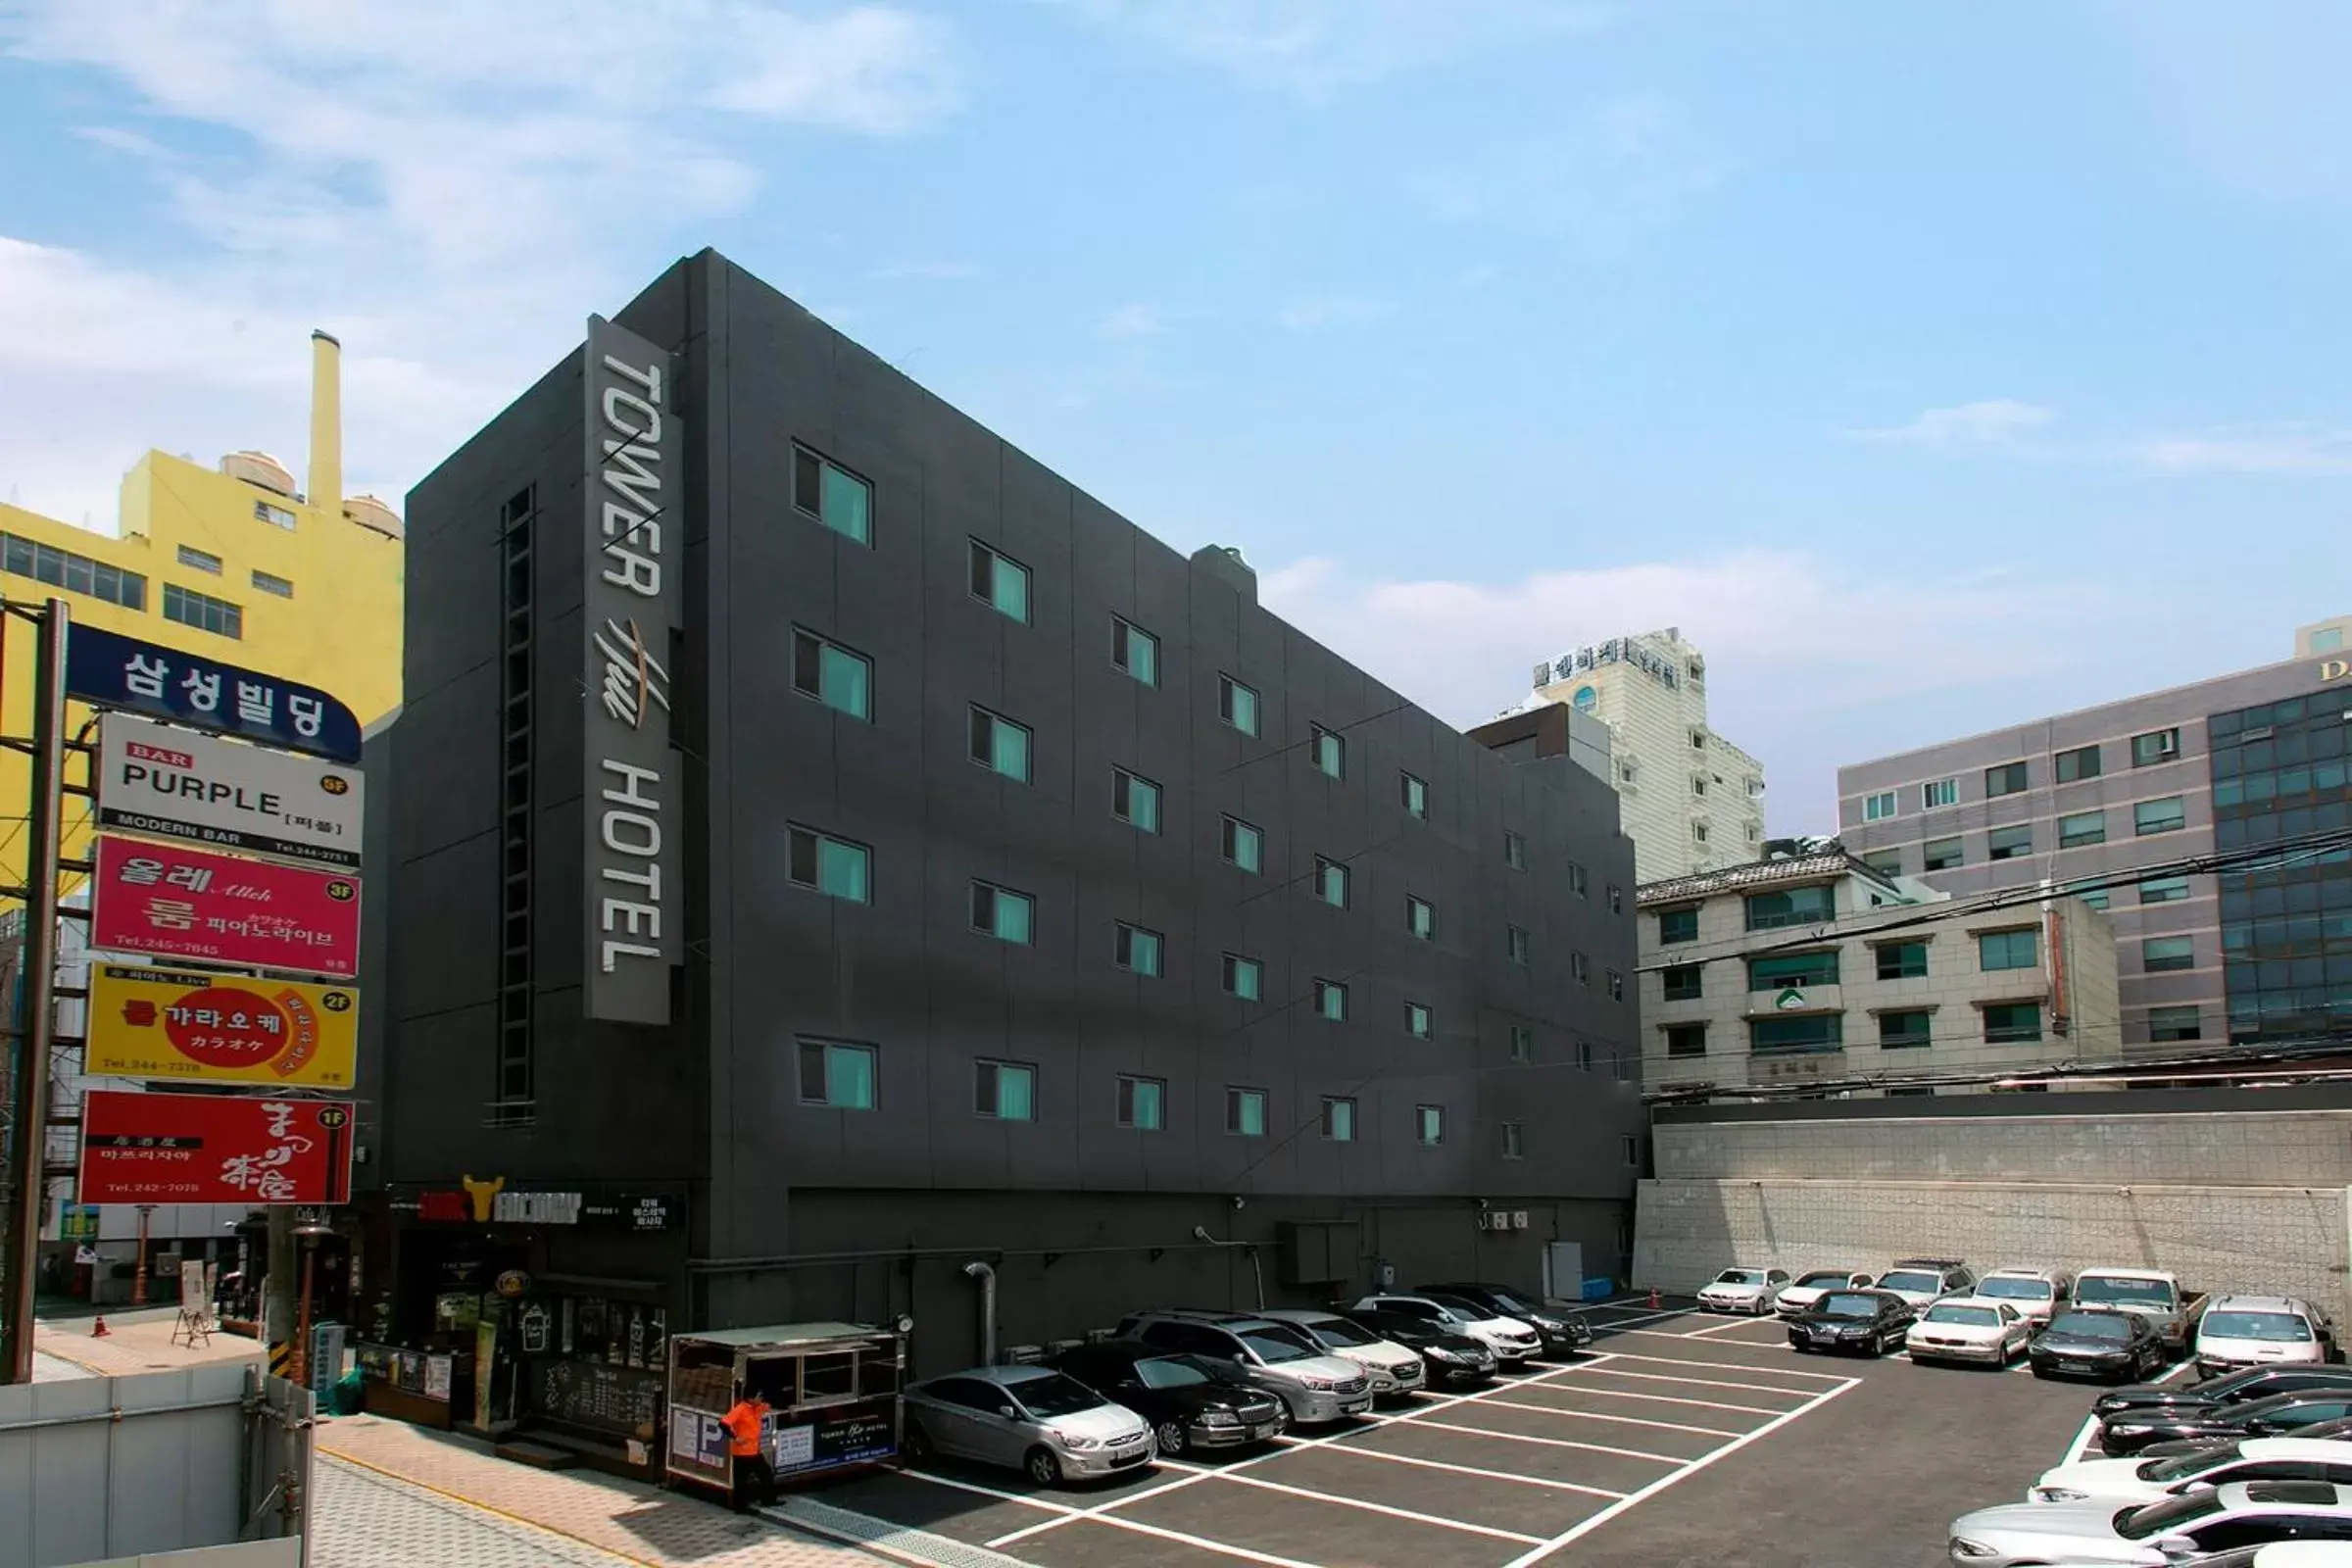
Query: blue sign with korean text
{"points": [[142, 677]]}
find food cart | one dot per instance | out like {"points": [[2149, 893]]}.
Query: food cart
{"points": [[832, 1389]]}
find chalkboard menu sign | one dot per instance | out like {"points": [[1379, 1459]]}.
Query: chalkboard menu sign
{"points": [[621, 1400]]}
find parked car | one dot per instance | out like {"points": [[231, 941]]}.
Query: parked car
{"points": [[1564, 1330], [2234, 1388], [2036, 1293], [1921, 1280], [2141, 1479], [2095, 1531], [1872, 1322], [2331, 1431], [1969, 1328], [1395, 1369], [2096, 1343], [1511, 1341], [1811, 1286], [2242, 1330], [2149, 1293], [1190, 1403], [1317, 1386], [2284, 1415], [1452, 1359], [1027, 1418], [1743, 1290]]}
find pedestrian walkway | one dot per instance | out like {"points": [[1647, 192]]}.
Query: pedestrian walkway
{"points": [[605, 1519], [360, 1519], [136, 1342]]}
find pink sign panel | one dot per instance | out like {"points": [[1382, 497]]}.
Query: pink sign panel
{"points": [[182, 902]]}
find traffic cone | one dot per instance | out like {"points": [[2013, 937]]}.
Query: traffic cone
{"points": [[99, 1330], [1654, 1297]]}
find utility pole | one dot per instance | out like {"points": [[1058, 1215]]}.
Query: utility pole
{"points": [[28, 1148], [278, 1303]]}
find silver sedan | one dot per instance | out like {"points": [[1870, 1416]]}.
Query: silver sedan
{"points": [[1028, 1418]]}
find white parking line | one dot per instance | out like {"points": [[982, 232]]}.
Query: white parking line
{"points": [[1709, 1383], [1554, 1443], [1729, 1366], [1381, 1507], [1587, 1526], [1735, 1323], [1102, 1510], [1670, 1399], [1623, 1420], [2090, 1423], [1471, 1470]]}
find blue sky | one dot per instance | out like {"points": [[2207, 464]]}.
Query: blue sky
{"points": [[1934, 366]]}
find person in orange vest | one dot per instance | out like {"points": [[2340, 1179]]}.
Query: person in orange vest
{"points": [[754, 1477]]}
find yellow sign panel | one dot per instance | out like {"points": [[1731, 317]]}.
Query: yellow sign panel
{"points": [[220, 1028]]}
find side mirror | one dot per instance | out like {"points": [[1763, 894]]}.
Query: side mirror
{"points": [[2176, 1546], [1008, 1413]]}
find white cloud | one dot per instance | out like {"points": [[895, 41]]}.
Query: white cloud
{"points": [[1330, 310], [1316, 48], [1631, 167], [1988, 422], [2281, 450], [449, 186], [1131, 321]]}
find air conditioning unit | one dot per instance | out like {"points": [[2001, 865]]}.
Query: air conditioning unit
{"points": [[2168, 746], [1518, 1219]]}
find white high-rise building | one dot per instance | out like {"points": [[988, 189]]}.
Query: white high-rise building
{"points": [[1689, 800]]}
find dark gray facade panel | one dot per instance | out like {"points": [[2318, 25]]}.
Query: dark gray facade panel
{"points": [[713, 1099]]}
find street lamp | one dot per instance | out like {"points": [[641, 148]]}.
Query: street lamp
{"points": [[309, 1226]]}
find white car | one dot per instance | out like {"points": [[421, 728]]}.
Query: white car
{"points": [[2144, 1480], [1814, 1284], [1921, 1280], [2242, 1331], [1969, 1328], [1513, 1342], [2153, 1534], [1743, 1289], [2036, 1293]]}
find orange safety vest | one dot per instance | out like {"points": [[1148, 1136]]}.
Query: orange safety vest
{"points": [[743, 1427]]}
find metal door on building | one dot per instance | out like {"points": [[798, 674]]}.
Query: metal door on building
{"points": [[1564, 1270]]}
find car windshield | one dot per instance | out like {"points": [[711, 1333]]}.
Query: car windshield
{"points": [[1172, 1372], [1055, 1395], [1974, 1317], [1910, 1279], [1338, 1331], [1848, 1306], [2108, 1290], [1738, 1276], [2169, 1517], [1464, 1312], [2182, 1466], [2092, 1326], [2281, 1326], [1511, 1303], [1274, 1347], [2017, 1289], [1825, 1279]]}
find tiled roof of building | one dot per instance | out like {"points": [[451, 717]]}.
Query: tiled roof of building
{"points": [[1754, 874]]}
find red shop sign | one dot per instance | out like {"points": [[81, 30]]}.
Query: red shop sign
{"points": [[212, 1148], [182, 902]]}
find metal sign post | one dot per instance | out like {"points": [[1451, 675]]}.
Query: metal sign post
{"points": [[36, 1022]]}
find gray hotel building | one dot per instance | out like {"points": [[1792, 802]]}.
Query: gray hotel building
{"points": [[2258, 953]]}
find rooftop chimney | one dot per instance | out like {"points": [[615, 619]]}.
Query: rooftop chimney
{"points": [[326, 424]]}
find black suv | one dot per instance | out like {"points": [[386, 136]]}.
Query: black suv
{"points": [[1872, 1322], [1188, 1402], [1453, 1360], [1564, 1333]]}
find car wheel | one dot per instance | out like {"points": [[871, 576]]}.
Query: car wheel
{"points": [[916, 1445], [1042, 1467], [1171, 1439]]}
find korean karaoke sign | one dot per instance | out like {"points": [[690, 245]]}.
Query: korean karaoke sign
{"points": [[212, 1148], [108, 670], [203, 1028], [175, 902], [634, 486]]}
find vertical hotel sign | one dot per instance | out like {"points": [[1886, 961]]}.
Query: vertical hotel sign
{"points": [[636, 443]]}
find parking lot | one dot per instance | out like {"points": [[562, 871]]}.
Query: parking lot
{"points": [[1680, 1438]]}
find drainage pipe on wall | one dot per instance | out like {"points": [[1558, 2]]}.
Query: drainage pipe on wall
{"points": [[1200, 1234], [986, 1274]]}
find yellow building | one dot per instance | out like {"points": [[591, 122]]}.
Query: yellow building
{"points": [[230, 562]]}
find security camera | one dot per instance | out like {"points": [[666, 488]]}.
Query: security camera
{"points": [[1239, 1202]]}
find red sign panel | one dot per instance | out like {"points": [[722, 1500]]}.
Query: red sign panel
{"points": [[212, 1148], [184, 902]]}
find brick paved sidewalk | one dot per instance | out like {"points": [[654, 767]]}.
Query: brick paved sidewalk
{"points": [[624, 1519], [141, 1342], [364, 1520]]}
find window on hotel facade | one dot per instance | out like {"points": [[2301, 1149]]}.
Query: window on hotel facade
{"points": [[1418, 1021], [1339, 1118], [836, 677], [2012, 842], [1237, 705], [1242, 845], [2157, 955], [835, 867], [1242, 977], [2083, 829], [2157, 745], [1004, 1090], [2008, 778], [1331, 1001], [1327, 751], [1415, 795], [1001, 582], [1142, 1103], [833, 496], [1878, 808], [1134, 651], [1523, 1041], [2154, 817], [1428, 1125], [1514, 943], [1245, 1112], [1514, 852], [1938, 792], [1136, 950], [2078, 765], [837, 1073], [1331, 882], [1420, 918], [1135, 799], [1939, 854], [1003, 913], [1515, 1140], [1000, 745]]}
